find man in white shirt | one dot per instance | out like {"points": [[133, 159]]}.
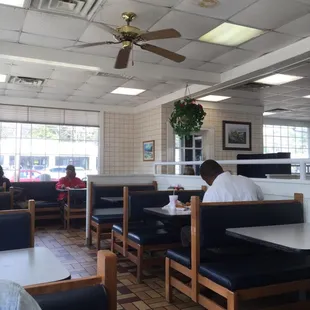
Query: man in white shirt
{"points": [[223, 187]]}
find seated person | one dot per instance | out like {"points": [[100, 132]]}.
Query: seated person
{"points": [[5, 180], [69, 181], [224, 187]]}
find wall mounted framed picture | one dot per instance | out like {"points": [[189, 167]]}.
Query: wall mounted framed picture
{"points": [[149, 150], [237, 136]]}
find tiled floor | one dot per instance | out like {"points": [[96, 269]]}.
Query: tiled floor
{"points": [[81, 262]]}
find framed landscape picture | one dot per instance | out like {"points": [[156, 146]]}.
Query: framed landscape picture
{"points": [[237, 136], [149, 150]]}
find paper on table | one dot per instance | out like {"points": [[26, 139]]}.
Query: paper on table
{"points": [[166, 207]]}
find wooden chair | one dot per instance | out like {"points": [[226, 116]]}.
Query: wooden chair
{"points": [[75, 208], [125, 238], [12, 221], [106, 276], [101, 226], [233, 297]]}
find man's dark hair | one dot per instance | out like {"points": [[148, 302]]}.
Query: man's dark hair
{"points": [[1, 172], [210, 168]]}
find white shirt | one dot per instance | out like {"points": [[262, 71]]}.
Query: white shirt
{"points": [[227, 187]]}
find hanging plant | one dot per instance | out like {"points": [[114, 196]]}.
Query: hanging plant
{"points": [[187, 117]]}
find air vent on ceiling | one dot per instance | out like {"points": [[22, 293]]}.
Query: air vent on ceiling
{"points": [[83, 8], [251, 86], [27, 81], [114, 75]]}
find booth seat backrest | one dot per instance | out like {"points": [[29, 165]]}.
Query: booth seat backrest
{"points": [[15, 231], [40, 191], [5, 201], [77, 198], [91, 297], [138, 201], [215, 219], [99, 191]]}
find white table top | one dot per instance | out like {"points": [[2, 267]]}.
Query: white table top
{"points": [[293, 237], [112, 199], [31, 266], [166, 212]]}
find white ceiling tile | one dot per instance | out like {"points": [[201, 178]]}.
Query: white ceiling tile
{"points": [[147, 15], [64, 84], [71, 74], [21, 94], [239, 93], [165, 3], [171, 44], [28, 71], [96, 88], [95, 34], [102, 80], [279, 98], [298, 101], [212, 67], [161, 89], [3, 85], [299, 93], [140, 84], [198, 25], [103, 50], [32, 89], [302, 83], [59, 90], [56, 97], [266, 14], [79, 93], [80, 99], [203, 51], [7, 35], [144, 56], [302, 70], [299, 27], [37, 40], [269, 42], [5, 68], [187, 63], [223, 10], [115, 99], [278, 90], [54, 25], [235, 57], [2, 92], [11, 18]]}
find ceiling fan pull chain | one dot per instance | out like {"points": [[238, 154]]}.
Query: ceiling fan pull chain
{"points": [[132, 61]]}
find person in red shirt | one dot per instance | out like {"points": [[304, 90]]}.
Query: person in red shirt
{"points": [[69, 181]]}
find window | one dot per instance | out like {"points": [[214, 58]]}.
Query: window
{"points": [[188, 149], [28, 151], [286, 139]]}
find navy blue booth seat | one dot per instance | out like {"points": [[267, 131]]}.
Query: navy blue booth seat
{"points": [[17, 228], [141, 232], [241, 276], [104, 213], [45, 195], [6, 200], [75, 208], [95, 293]]}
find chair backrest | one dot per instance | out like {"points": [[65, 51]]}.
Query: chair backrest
{"points": [[215, 218], [6, 200], [138, 201], [77, 199], [40, 191], [17, 228]]}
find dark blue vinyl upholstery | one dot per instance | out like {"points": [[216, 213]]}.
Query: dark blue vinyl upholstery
{"points": [[77, 199], [255, 272], [109, 215], [5, 201], [214, 220], [118, 228], [15, 231], [92, 297]]}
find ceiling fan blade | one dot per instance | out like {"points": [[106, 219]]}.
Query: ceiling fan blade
{"points": [[122, 58], [160, 34], [91, 44], [163, 52], [108, 29]]}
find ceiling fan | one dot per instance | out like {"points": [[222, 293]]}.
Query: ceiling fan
{"points": [[129, 36]]}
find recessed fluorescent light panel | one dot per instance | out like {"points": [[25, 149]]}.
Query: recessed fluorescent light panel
{"points": [[2, 78], [278, 79], [268, 113], [127, 91], [213, 98], [308, 96], [19, 3], [230, 34]]}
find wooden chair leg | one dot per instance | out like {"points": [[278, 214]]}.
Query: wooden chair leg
{"points": [[112, 241], [98, 238], [167, 281], [139, 264], [68, 221], [232, 302]]}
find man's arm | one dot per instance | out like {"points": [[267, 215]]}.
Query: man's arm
{"points": [[60, 184], [260, 195]]}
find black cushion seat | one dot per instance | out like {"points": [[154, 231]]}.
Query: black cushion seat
{"points": [[111, 218], [255, 272], [154, 236], [91, 297], [118, 228], [46, 204]]}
